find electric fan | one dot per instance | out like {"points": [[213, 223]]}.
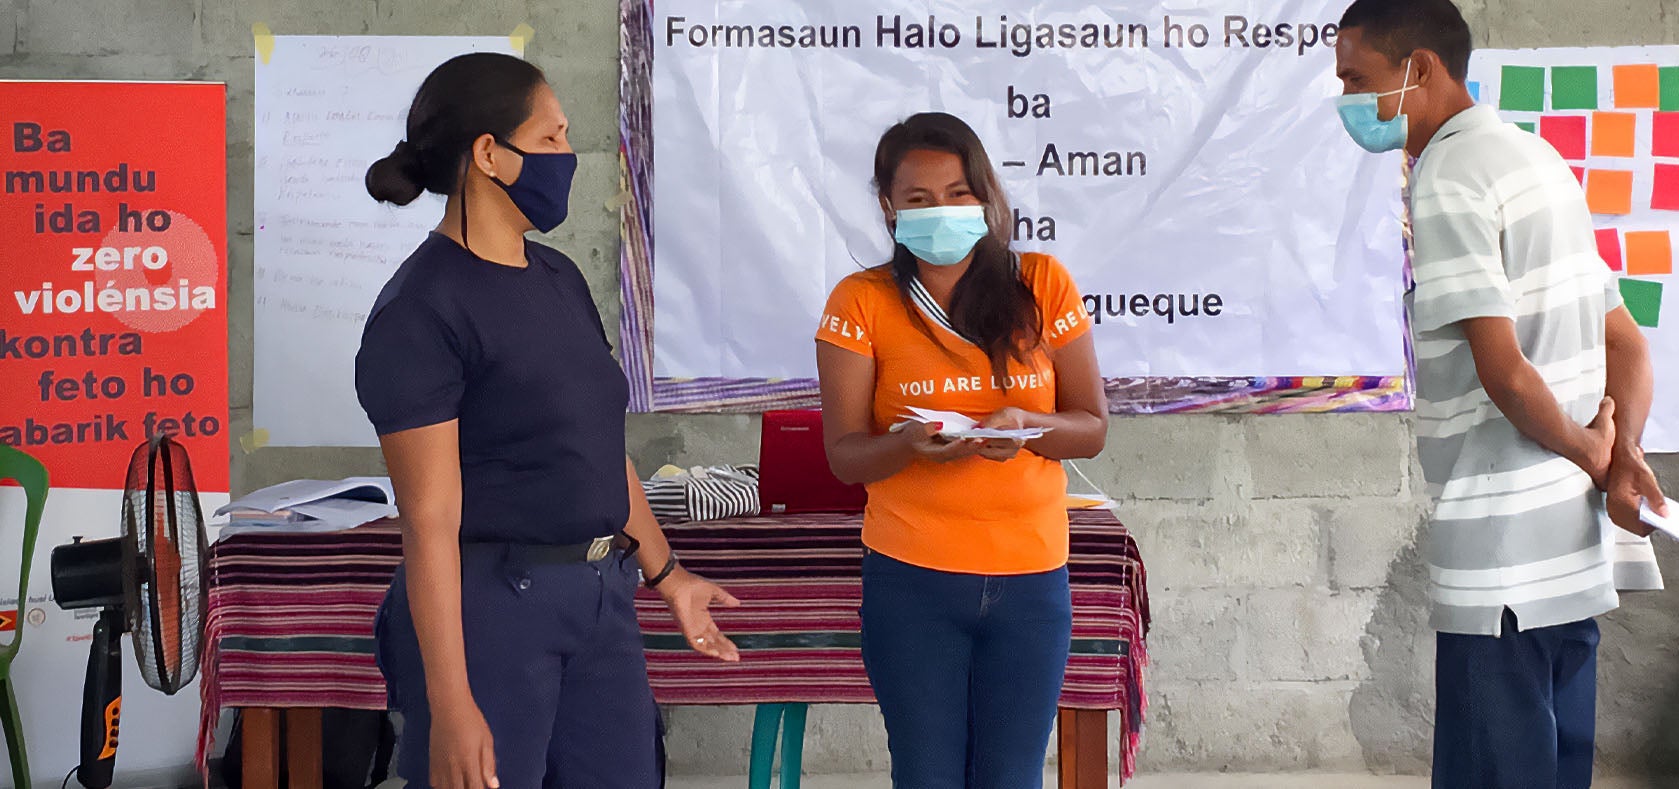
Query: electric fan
{"points": [[148, 583]]}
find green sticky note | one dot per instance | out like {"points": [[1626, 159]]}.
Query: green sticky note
{"points": [[1670, 88], [1574, 88], [1526, 126], [1522, 89], [1644, 301]]}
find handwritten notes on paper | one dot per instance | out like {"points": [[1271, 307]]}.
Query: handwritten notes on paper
{"points": [[327, 107]]}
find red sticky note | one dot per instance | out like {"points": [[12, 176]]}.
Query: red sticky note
{"points": [[1649, 252], [1665, 196], [1609, 248], [1566, 133], [1579, 174], [1609, 192], [1666, 134]]}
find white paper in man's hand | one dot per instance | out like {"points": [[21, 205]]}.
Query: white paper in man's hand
{"points": [[1665, 525]]}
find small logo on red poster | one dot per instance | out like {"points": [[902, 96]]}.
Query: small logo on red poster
{"points": [[8, 621]]}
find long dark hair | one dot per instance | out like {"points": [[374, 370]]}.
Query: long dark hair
{"points": [[992, 306], [465, 98]]}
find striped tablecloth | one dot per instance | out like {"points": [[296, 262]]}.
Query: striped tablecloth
{"points": [[799, 582], [290, 620]]}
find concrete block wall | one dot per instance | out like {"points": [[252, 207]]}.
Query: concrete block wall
{"points": [[1288, 598]]}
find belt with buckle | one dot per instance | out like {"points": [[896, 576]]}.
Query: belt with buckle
{"points": [[574, 553]]}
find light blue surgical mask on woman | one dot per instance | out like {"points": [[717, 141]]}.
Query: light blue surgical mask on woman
{"points": [[1361, 116], [941, 235]]}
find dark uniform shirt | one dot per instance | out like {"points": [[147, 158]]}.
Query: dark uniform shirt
{"points": [[520, 357]]}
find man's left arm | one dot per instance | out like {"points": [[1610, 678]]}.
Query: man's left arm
{"points": [[1632, 386], [1519, 392], [1458, 265]]}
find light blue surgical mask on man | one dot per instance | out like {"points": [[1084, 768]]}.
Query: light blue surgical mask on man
{"points": [[941, 235], [1361, 116]]}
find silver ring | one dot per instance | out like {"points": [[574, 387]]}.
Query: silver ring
{"points": [[700, 640]]}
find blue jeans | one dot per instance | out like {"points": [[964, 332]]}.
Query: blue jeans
{"points": [[1518, 711], [967, 670]]}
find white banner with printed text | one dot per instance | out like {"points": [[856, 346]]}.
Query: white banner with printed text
{"points": [[1185, 163]]}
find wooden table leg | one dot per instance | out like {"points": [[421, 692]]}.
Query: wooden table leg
{"points": [[303, 748], [1066, 759], [261, 750], [1093, 748], [1082, 749]]}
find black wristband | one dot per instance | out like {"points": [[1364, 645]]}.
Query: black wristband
{"points": [[670, 565]]}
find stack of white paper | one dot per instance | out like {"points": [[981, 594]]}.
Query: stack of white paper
{"points": [[961, 426], [311, 505]]}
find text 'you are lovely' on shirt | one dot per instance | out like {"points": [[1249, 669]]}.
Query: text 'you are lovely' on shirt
{"points": [[971, 515]]}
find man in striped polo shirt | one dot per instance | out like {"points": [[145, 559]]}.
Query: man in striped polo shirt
{"points": [[1533, 385]]}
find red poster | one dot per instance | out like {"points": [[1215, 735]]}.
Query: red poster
{"points": [[113, 275]]}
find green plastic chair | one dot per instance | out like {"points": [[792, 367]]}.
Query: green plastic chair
{"points": [[787, 720], [32, 476]]}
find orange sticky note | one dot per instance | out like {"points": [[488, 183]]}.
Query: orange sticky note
{"points": [[1614, 133], [1609, 192], [1649, 252], [1638, 87]]}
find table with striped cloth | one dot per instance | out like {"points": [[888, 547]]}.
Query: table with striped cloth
{"points": [[798, 578], [290, 620]]}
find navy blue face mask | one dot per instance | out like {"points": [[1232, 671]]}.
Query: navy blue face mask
{"points": [[542, 192]]}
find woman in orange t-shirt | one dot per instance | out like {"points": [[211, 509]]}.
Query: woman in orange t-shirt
{"points": [[967, 617]]}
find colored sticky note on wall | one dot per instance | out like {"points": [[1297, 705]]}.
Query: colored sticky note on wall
{"points": [[1665, 195], [1579, 174], [1475, 91], [1638, 86], [1574, 88], [1526, 126], [1649, 253], [1644, 301], [1609, 192], [1664, 132], [1566, 133], [1614, 133], [1670, 88], [1522, 88], [1609, 248]]}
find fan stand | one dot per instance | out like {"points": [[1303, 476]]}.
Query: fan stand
{"points": [[102, 701]]}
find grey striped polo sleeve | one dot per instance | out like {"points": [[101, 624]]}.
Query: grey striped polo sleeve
{"points": [[1457, 264]]}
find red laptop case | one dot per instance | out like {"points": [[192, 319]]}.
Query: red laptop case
{"points": [[793, 473]]}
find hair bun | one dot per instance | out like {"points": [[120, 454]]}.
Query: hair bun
{"points": [[399, 178], [408, 156]]}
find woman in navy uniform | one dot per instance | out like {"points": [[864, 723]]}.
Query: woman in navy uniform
{"points": [[509, 639]]}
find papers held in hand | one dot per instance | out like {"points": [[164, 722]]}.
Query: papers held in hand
{"points": [[959, 426], [1666, 525]]}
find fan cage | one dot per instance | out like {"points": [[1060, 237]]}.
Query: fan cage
{"points": [[164, 556]]}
